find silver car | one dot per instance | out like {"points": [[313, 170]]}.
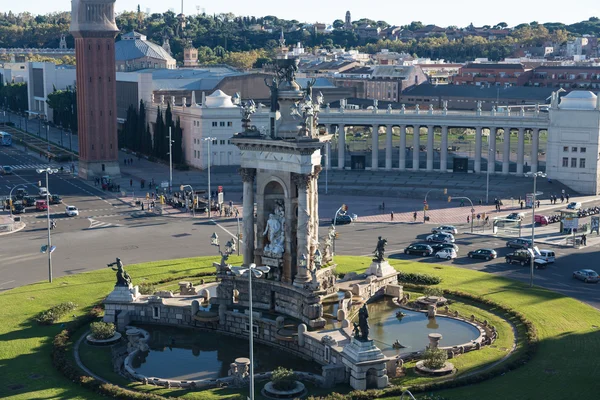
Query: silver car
{"points": [[445, 229], [586, 275]]}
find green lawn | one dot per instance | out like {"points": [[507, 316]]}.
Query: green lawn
{"points": [[567, 329]]}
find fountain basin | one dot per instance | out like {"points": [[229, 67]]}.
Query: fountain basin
{"points": [[297, 392]]}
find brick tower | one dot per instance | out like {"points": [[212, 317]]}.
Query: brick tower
{"points": [[94, 28]]}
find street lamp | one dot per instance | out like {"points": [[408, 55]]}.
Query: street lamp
{"points": [[487, 183], [209, 139], [257, 272], [472, 208], [48, 171], [533, 175], [193, 197], [425, 206], [170, 161]]}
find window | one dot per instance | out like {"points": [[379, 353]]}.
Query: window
{"points": [[221, 142], [155, 312], [582, 149], [222, 123], [214, 123], [214, 142], [565, 148], [574, 149], [573, 163], [229, 142], [254, 328], [565, 162], [582, 163], [229, 123]]}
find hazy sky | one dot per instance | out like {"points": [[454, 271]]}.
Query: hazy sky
{"points": [[439, 12]]}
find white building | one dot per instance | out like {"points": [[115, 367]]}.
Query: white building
{"points": [[14, 72], [573, 153], [43, 78]]}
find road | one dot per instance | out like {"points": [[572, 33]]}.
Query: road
{"points": [[108, 227]]}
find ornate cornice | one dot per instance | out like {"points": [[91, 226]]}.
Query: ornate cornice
{"points": [[301, 180], [247, 174]]}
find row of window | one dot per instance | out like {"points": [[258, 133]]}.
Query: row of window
{"points": [[214, 142], [574, 149], [222, 123], [565, 162]]}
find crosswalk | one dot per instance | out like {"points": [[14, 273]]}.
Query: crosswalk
{"points": [[95, 224], [33, 166]]}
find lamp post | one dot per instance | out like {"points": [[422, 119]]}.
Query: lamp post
{"points": [[472, 208], [425, 206], [193, 197], [48, 171], [209, 139], [533, 175], [170, 160], [487, 182], [327, 151]]}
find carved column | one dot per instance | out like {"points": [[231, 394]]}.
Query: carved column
{"points": [[520, 151], [303, 182], [342, 146], [506, 152], [402, 163], [477, 161], [535, 143], [375, 148], [416, 146], [328, 155], [248, 175], [388, 148], [430, 147], [314, 214], [444, 150]]}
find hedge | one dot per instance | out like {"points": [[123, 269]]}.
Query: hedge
{"points": [[55, 313], [419, 279]]}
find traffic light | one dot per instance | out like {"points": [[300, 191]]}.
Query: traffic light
{"points": [[445, 191], [40, 183], [344, 207], [449, 199], [241, 236], [426, 207]]}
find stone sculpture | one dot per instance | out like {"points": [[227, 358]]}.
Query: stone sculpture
{"points": [[380, 249], [275, 232], [123, 278], [363, 323]]}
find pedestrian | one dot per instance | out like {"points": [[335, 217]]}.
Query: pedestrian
{"points": [[468, 219], [392, 216], [415, 216], [538, 204], [142, 206], [383, 206], [487, 219], [567, 196], [562, 198], [584, 239], [118, 188], [478, 217], [131, 183], [521, 204], [125, 161]]}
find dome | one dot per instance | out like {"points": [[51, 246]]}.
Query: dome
{"points": [[579, 100], [218, 99]]}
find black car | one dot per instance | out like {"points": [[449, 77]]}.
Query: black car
{"points": [[519, 243], [21, 193], [523, 257], [55, 199], [420, 249], [486, 254], [18, 208], [440, 246], [29, 201], [343, 219]]}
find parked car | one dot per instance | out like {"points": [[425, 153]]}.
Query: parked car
{"points": [[586, 275], [21, 192], [439, 246], [448, 254], [441, 238], [574, 205], [486, 254], [515, 216], [519, 243], [523, 257], [71, 211], [6, 170], [541, 219], [343, 219], [445, 229], [420, 249]]}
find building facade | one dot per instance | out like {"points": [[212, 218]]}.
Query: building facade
{"points": [[43, 79], [492, 75]]}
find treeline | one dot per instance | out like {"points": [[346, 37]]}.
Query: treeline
{"points": [[13, 95]]}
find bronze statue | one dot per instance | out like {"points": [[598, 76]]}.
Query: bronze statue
{"points": [[123, 278], [363, 323], [380, 249]]}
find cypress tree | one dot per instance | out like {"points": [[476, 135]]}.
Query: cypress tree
{"points": [[140, 128]]}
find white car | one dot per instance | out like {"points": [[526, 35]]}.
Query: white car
{"points": [[43, 192], [71, 211], [574, 205], [441, 238], [448, 254], [445, 229]]}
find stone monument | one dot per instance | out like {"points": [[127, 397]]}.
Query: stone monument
{"points": [[380, 267], [124, 291]]}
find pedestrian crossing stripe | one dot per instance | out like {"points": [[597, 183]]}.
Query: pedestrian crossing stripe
{"points": [[32, 166], [94, 224]]}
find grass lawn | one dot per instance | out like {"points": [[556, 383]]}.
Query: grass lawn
{"points": [[569, 337]]}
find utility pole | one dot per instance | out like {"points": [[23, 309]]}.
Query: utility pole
{"points": [[171, 157]]}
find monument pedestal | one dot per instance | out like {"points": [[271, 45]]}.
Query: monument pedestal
{"points": [[366, 363], [123, 294], [380, 269]]}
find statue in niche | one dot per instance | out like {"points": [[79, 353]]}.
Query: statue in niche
{"points": [[380, 249], [275, 232]]}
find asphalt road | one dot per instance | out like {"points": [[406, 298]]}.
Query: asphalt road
{"points": [[107, 228]]}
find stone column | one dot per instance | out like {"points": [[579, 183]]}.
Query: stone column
{"points": [[416, 146], [314, 214], [506, 152], [477, 162], [388, 148], [303, 230], [328, 155], [444, 150], [248, 175], [535, 143], [402, 163], [375, 148], [430, 148], [492, 151], [342, 147], [520, 151]]}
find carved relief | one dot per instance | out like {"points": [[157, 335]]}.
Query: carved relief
{"points": [[247, 174]]}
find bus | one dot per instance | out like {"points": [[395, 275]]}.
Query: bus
{"points": [[5, 139]]}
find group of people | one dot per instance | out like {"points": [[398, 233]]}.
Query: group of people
{"points": [[128, 161]]}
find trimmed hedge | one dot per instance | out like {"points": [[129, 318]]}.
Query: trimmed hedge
{"points": [[146, 288], [55, 313], [418, 279], [102, 330]]}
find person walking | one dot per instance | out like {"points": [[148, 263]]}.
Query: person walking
{"points": [[392, 216], [487, 219], [567, 196], [538, 204], [415, 216], [468, 219], [521, 204], [562, 198], [584, 239], [383, 205]]}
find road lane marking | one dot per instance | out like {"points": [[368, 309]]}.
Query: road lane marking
{"points": [[225, 229]]}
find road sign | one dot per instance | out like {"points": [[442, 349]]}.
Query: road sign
{"points": [[220, 197], [164, 184], [472, 210], [44, 248], [220, 189]]}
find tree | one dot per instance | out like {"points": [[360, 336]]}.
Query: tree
{"points": [[159, 133], [178, 158], [338, 23]]}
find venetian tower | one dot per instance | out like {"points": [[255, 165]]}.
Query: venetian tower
{"points": [[94, 28]]}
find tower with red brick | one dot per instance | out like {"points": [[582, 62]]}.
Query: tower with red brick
{"points": [[94, 28]]}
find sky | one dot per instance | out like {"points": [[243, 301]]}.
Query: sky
{"points": [[439, 12]]}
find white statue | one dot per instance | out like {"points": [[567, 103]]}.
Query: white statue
{"points": [[276, 233], [273, 228]]}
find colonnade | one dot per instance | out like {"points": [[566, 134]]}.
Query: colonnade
{"points": [[429, 166]]}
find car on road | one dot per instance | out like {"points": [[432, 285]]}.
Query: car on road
{"points": [[574, 205], [28, 201], [43, 192], [586, 275], [18, 208], [523, 258], [519, 243], [344, 219], [447, 254], [439, 246], [6, 170], [547, 255], [55, 199], [486, 254], [21, 192], [515, 216], [440, 238], [41, 205], [541, 219], [71, 211], [420, 249], [445, 229]]}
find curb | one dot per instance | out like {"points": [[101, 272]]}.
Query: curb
{"points": [[20, 228]]}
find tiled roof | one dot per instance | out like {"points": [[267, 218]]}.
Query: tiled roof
{"points": [[134, 49], [511, 92], [189, 78], [493, 66]]}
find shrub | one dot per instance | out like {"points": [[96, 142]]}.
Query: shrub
{"points": [[433, 292], [102, 330], [146, 288], [420, 279], [283, 379], [435, 358], [55, 313]]}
